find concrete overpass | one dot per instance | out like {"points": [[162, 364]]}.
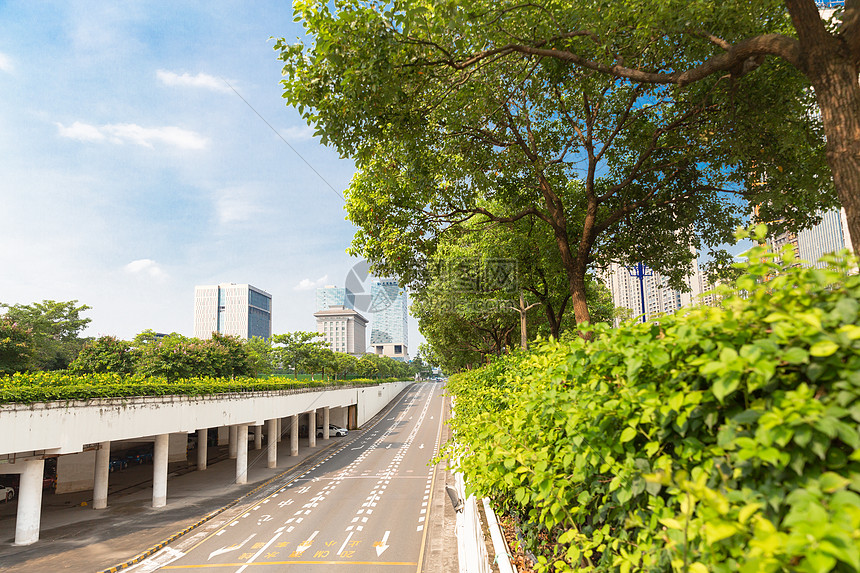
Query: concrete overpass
{"points": [[80, 434]]}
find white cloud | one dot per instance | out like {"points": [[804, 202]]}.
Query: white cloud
{"points": [[237, 205], [120, 133], [308, 284], [301, 133], [201, 80], [6, 63], [145, 267], [81, 132]]}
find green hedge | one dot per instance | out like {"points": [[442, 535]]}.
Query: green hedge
{"points": [[720, 439], [34, 387]]}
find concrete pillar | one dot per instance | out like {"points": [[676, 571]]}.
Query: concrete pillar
{"points": [[202, 448], [280, 432], [100, 487], [29, 502], [233, 441], [312, 429], [258, 437], [294, 435], [223, 435], [272, 443], [325, 423], [159, 470], [242, 454]]}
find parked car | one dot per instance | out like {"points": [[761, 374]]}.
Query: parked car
{"points": [[139, 455], [49, 482], [333, 430], [117, 463], [7, 493]]}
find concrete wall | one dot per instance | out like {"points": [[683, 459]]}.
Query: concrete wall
{"points": [[66, 427], [76, 471], [373, 399]]}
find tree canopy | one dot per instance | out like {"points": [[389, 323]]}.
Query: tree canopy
{"points": [[447, 124], [55, 327]]}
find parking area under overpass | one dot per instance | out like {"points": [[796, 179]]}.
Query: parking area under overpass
{"points": [[82, 434]]}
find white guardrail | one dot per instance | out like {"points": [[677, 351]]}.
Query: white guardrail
{"points": [[471, 545]]}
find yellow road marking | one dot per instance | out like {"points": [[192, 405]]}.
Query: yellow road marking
{"points": [[264, 563]]}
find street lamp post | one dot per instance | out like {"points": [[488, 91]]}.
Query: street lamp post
{"points": [[641, 271]]}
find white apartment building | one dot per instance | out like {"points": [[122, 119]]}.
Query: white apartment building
{"points": [[343, 329], [659, 298], [237, 309], [828, 236]]}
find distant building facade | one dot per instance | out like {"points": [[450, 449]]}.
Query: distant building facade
{"points": [[343, 329], [389, 332], [659, 297], [237, 309], [329, 296], [828, 236]]}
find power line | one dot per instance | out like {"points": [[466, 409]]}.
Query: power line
{"points": [[330, 186]]}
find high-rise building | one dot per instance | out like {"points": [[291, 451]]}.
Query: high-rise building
{"points": [[329, 296], [389, 332], [237, 309], [828, 236], [659, 297], [343, 329]]}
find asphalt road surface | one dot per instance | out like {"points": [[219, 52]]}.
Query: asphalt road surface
{"points": [[361, 508]]}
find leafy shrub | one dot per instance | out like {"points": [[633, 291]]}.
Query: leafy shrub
{"points": [[29, 388], [17, 346], [104, 354], [721, 439]]}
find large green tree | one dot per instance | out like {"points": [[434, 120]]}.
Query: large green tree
{"points": [[444, 129], [490, 285], [104, 354], [685, 44], [296, 350], [55, 327], [16, 347]]}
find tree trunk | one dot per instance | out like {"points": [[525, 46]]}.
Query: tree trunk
{"points": [[524, 339], [838, 93], [575, 270], [831, 67]]}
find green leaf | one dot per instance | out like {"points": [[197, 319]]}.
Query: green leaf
{"points": [[796, 355], [724, 386], [831, 482], [823, 348], [627, 435]]}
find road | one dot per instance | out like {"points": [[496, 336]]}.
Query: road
{"points": [[361, 508]]}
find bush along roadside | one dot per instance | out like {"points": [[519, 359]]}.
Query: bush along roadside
{"points": [[716, 439], [33, 387]]}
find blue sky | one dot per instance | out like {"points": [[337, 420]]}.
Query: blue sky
{"points": [[130, 171]]}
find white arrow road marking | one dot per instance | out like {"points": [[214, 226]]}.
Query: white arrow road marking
{"points": [[381, 546], [230, 547], [305, 544], [421, 447]]}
